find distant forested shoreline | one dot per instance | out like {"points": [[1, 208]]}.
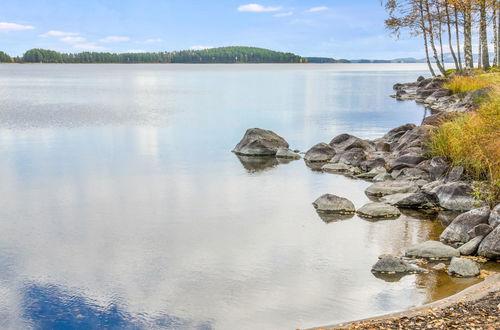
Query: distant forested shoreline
{"points": [[212, 55]]}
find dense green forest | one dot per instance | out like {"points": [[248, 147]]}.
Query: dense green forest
{"points": [[4, 58], [213, 55]]}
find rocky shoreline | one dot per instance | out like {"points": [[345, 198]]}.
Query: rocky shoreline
{"points": [[403, 176]]}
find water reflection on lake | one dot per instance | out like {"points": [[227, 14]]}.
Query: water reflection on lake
{"points": [[123, 207]]}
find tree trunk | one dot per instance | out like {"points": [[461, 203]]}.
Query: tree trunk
{"points": [[457, 32], [484, 36], [495, 34], [431, 39], [469, 61], [424, 32], [447, 11], [440, 30]]}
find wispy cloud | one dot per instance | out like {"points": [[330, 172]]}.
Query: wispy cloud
{"points": [[55, 33], [256, 8], [136, 51], [6, 27], [152, 41], [288, 13], [316, 9], [114, 39], [72, 40], [89, 46], [199, 47]]}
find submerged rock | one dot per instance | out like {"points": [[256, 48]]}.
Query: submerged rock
{"points": [[432, 249], [455, 196], [329, 203], [378, 210], [463, 267], [260, 142], [390, 265], [457, 232], [490, 246], [321, 152], [391, 188]]}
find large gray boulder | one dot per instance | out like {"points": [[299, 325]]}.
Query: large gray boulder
{"points": [[418, 200], [378, 210], [471, 246], [353, 156], [490, 246], [406, 160], [455, 196], [344, 142], [417, 137], [457, 232], [494, 219], [329, 203], [480, 230], [260, 142], [391, 188], [287, 154], [432, 249], [396, 133], [391, 265], [321, 152], [463, 267]]}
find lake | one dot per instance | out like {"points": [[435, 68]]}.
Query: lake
{"points": [[122, 206]]}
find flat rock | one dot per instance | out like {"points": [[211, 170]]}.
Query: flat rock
{"points": [[378, 210], [418, 200], [373, 173], [335, 168], [490, 246], [391, 188], [455, 196], [471, 246], [389, 264], [432, 249], [329, 203], [287, 153], [260, 142], [457, 232], [463, 267], [321, 152]]}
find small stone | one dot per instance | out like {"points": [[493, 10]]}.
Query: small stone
{"points": [[329, 203], [439, 266]]}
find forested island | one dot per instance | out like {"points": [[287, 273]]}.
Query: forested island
{"points": [[212, 55]]}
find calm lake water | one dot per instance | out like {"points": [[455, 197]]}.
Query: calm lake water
{"points": [[122, 206]]}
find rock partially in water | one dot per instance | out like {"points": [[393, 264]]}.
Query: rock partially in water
{"points": [[432, 249], [345, 142], [378, 210], [418, 200], [463, 267], [287, 153], [390, 265], [260, 142], [321, 152], [494, 219], [457, 232], [439, 267], [391, 188], [455, 196], [471, 246], [490, 246], [329, 203], [335, 168]]}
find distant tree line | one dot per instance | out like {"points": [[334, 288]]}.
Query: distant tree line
{"points": [[449, 21], [213, 55], [4, 58]]}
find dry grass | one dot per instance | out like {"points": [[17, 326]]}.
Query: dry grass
{"points": [[465, 84]]}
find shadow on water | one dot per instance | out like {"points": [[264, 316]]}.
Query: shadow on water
{"points": [[333, 217], [50, 307], [258, 164]]}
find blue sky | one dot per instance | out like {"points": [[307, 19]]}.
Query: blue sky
{"points": [[332, 28]]}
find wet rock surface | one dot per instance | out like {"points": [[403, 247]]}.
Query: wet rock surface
{"points": [[378, 210], [260, 142], [321, 152], [329, 203]]}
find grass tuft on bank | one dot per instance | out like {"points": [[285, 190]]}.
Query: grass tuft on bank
{"points": [[472, 140]]}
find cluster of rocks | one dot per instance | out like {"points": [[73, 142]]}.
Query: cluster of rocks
{"points": [[431, 93]]}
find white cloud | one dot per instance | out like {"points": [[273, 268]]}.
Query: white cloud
{"points": [[316, 9], [135, 51], [289, 13], [256, 8], [114, 39], [89, 46], [55, 33], [200, 47], [72, 40], [6, 27], [152, 41]]}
